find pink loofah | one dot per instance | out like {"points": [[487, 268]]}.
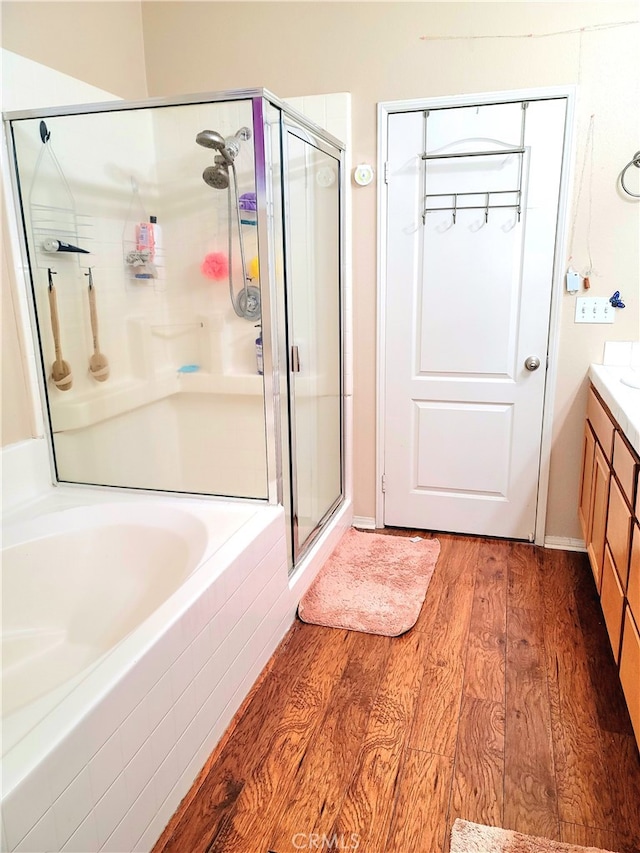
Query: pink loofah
{"points": [[215, 265]]}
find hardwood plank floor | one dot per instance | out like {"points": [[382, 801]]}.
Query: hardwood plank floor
{"points": [[502, 706]]}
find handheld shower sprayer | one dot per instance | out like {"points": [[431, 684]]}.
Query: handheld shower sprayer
{"points": [[247, 303]]}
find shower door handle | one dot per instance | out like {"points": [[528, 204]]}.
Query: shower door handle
{"points": [[295, 360]]}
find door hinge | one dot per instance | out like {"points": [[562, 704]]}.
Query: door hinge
{"points": [[386, 172], [384, 482]]}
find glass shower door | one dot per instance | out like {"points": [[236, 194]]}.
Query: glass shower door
{"points": [[313, 301]]}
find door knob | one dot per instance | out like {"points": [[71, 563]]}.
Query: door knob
{"points": [[532, 363]]}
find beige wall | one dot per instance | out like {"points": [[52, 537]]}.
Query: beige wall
{"points": [[100, 43], [377, 51]]}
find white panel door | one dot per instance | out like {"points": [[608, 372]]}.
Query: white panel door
{"points": [[468, 290]]}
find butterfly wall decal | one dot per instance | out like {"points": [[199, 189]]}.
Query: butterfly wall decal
{"points": [[616, 301]]}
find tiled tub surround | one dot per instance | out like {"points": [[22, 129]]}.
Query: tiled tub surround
{"points": [[109, 763]]}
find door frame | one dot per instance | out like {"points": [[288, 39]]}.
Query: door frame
{"points": [[385, 110]]}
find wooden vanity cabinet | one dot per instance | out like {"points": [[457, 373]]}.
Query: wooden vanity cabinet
{"points": [[609, 509]]}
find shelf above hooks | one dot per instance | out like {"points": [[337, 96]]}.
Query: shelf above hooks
{"points": [[473, 154]]}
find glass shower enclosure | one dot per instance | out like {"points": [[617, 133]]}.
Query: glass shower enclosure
{"points": [[186, 267]]}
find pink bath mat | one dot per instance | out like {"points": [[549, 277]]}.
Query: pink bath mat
{"points": [[372, 583]]}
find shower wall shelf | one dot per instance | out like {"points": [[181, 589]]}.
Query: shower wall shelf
{"points": [[90, 408]]}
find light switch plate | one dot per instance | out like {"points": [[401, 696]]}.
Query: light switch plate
{"points": [[594, 309]]}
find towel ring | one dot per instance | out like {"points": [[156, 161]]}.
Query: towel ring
{"points": [[635, 161]]}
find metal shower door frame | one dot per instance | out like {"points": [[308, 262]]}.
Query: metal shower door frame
{"points": [[292, 123]]}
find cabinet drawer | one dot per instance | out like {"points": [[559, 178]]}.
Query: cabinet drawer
{"points": [[619, 531], [630, 671], [612, 601], [633, 590], [624, 464], [601, 423]]}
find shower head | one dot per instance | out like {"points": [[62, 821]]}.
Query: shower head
{"points": [[217, 176], [211, 139]]}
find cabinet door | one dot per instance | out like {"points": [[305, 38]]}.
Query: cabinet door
{"points": [[624, 465], [588, 451], [619, 531], [630, 671], [598, 513], [612, 601], [633, 589]]}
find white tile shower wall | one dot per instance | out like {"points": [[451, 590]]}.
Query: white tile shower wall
{"points": [[121, 773]]}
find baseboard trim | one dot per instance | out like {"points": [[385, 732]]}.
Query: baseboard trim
{"points": [[364, 522], [558, 543], [564, 543]]}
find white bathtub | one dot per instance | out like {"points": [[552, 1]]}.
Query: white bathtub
{"points": [[77, 582], [132, 630]]}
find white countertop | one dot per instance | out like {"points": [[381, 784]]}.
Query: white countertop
{"points": [[622, 400]]}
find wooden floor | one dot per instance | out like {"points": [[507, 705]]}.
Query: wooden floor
{"points": [[502, 706]]}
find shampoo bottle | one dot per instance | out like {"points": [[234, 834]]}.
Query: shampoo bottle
{"points": [[145, 237]]}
